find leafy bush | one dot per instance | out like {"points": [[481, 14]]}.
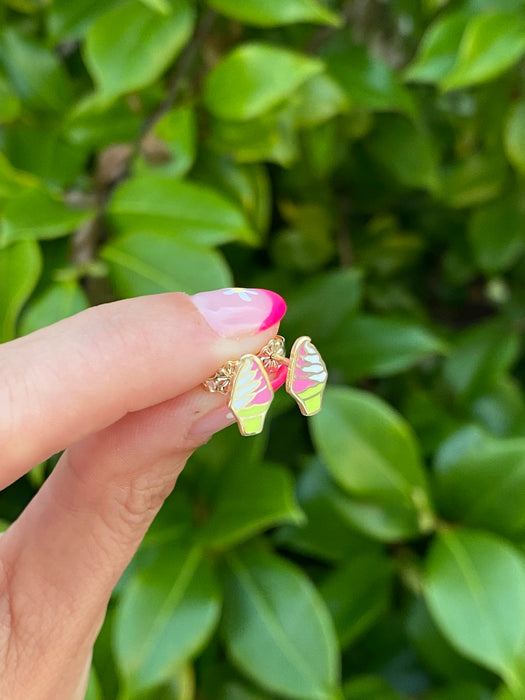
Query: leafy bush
{"points": [[366, 160]]}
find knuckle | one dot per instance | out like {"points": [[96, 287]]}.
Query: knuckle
{"points": [[137, 502]]}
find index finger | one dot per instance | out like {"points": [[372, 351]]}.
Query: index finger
{"points": [[84, 373]]}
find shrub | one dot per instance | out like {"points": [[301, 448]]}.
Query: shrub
{"points": [[365, 160]]}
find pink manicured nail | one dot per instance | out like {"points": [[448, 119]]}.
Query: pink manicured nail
{"points": [[280, 377], [238, 311]]}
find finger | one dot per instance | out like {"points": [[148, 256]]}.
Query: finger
{"points": [[78, 376], [67, 550]]}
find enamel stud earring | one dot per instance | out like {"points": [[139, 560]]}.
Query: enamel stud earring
{"points": [[248, 381], [250, 391]]}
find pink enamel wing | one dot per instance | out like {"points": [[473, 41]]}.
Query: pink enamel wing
{"points": [[307, 376]]}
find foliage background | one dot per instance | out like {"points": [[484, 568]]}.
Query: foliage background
{"points": [[366, 160]]}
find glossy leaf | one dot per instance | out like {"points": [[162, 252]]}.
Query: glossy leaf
{"points": [[473, 181], [329, 532], [188, 212], [250, 499], [386, 473], [475, 589], [357, 594], [480, 355], [151, 263], [166, 614], [254, 78], [131, 44], [497, 235], [368, 688], [438, 49], [436, 653], [58, 301], [340, 291], [276, 627], [37, 214], [491, 44], [36, 73], [172, 146], [371, 345], [71, 20], [406, 151], [514, 135], [368, 82], [20, 265], [486, 487], [268, 13], [9, 103]]}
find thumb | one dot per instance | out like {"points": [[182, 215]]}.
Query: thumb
{"points": [[63, 556]]}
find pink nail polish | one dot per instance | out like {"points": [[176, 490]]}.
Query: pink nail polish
{"points": [[279, 378], [239, 311]]}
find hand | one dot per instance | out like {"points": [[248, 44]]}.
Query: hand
{"points": [[119, 386]]}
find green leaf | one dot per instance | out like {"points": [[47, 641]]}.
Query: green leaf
{"points": [[162, 6], [131, 45], [318, 99], [250, 499], [276, 627], [58, 301], [271, 13], [93, 690], [486, 487], [501, 409], [438, 48], [328, 533], [166, 615], [270, 137], [188, 212], [254, 78], [475, 590], [45, 151], [358, 594], [20, 266], [373, 345], [481, 354], [97, 122], [474, 180], [514, 135], [337, 290], [151, 263], [438, 657], [71, 20], [35, 213], [9, 103], [491, 44], [368, 688], [405, 150], [247, 185], [460, 691], [368, 82], [12, 180], [171, 147], [389, 472], [36, 74], [497, 235]]}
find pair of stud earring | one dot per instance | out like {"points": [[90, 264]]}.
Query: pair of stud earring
{"points": [[248, 381]]}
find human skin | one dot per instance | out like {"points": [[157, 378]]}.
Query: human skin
{"points": [[119, 388]]}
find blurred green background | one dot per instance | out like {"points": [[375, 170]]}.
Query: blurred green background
{"points": [[365, 159]]}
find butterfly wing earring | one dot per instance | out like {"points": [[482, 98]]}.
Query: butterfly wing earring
{"points": [[307, 375], [249, 383], [251, 395]]}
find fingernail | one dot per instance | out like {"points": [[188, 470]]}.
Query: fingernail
{"points": [[238, 311], [279, 378]]}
